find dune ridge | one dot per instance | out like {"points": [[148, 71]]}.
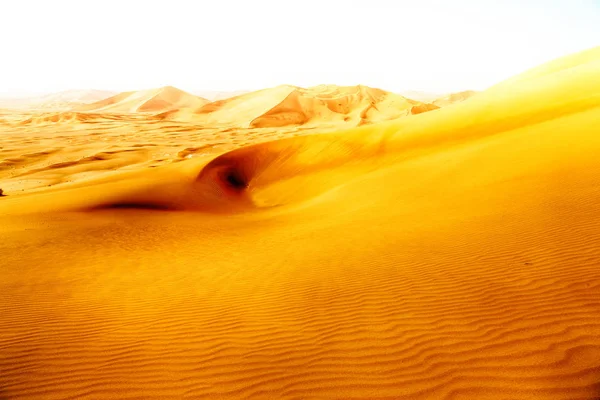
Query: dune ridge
{"points": [[148, 101], [450, 255]]}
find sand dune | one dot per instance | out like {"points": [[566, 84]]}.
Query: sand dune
{"points": [[151, 101], [293, 106], [450, 255]]}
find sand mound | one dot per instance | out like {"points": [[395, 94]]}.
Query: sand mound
{"points": [[294, 106], [146, 101], [453, 254]]}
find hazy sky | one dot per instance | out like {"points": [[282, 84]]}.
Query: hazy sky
{"points": [[441, 46]]}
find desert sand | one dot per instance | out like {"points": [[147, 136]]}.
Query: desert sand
{"points": [[452, 254]]}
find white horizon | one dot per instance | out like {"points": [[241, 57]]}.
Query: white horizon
{"points": [[430, 46]]}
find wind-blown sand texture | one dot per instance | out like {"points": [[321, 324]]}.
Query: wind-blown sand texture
{"points": [[448, 255]]}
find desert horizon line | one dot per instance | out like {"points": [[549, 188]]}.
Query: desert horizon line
{"points": [[28, 94]]}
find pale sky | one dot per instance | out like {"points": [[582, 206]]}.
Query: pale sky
{"points": [[438, 46]]}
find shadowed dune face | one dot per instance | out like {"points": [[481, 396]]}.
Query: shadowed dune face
{"points": [[449, 255]]}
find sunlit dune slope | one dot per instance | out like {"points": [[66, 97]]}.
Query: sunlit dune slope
{"points": [[153, 100], [450, 255], [292, 106]]}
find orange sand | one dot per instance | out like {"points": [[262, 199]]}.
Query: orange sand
{"points": [[452, 254]]}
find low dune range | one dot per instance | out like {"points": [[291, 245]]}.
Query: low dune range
{"points": [[313, 243]]}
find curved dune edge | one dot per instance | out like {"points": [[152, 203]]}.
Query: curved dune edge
{"points": [[456, 257]]}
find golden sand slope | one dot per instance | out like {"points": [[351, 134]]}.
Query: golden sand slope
{"points": [[324, 105], [449, 255], [153, 100]]}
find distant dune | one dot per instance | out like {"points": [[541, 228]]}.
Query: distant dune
{"points": [[425, 97], [285, 105], [68, 117], [56, 101], [70, 98], [454, 98], [215, 95], [294, 106], [145, 101]]}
